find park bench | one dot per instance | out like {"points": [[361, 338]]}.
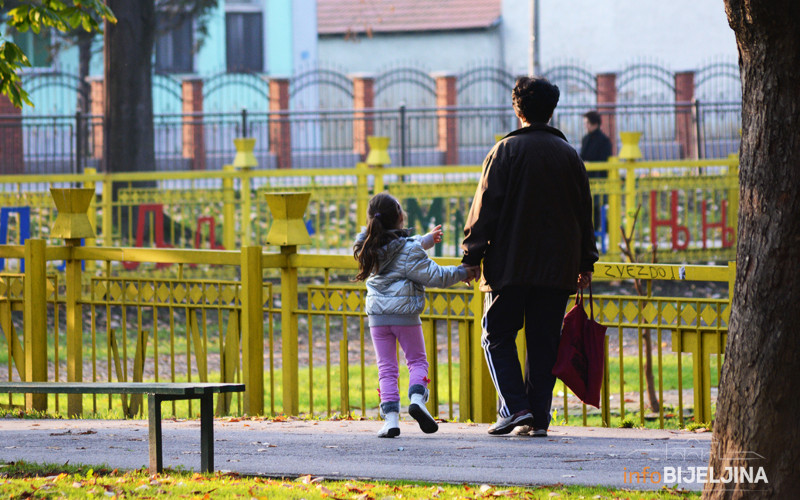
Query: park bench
{"points": [[156, 394]]}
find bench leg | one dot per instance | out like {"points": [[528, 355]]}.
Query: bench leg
{"points": [[154, 424], [207, 433]]}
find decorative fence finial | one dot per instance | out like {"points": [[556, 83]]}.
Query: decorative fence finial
{"points": [[72, 221]]}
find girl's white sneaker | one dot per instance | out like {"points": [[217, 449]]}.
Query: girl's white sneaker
{"points": [[391, 426], [419, 412]]}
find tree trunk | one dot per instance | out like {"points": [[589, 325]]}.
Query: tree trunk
{"points": [[85, 40], [759, 404], [128, 107]]}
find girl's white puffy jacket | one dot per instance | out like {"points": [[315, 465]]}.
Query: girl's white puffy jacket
{"points": [[396, 293]]}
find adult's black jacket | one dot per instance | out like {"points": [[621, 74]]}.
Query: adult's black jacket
{"points": [[531, 218], [595, 146]]}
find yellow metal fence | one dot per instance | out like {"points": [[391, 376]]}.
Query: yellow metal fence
{"points": [[292, 327], [687, 209]]}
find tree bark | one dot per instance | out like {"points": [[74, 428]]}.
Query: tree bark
{"points": [[759, 405], [128, 106], [84, 40]]}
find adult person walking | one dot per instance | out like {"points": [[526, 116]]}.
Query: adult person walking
{"points": [[530, 225], [595, 146]]}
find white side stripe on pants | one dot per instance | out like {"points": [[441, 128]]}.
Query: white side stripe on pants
{"points": [[487, 303]]}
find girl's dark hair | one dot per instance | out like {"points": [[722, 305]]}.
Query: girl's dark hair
{"points": [[534, 98], [383, 220]]}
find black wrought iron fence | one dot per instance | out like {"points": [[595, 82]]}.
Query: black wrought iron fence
{"points": [[337, 138]]}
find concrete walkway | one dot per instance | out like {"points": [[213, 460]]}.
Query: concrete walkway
{"points": [[458, 453]]}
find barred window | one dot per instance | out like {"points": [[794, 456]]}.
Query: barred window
{"points": [[244, 41], [175, 44], [36, 47]]}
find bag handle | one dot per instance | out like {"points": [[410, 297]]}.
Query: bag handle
{"points": [[591, 301]]}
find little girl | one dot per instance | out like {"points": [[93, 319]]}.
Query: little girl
{"points": [[397, 269]]}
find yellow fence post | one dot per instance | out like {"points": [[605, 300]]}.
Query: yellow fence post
{"points": [[228, 210], [377, 158], [252, 331], [630, 153], [288, 230], [245, 160], [35, 320], [72, 224], [605, 390], [108, 211], [91, 184], [614, 214], [362, 195], [464, 370]]}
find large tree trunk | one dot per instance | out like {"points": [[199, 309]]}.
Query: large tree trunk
{"points": [[128, 107], [759, 405]]}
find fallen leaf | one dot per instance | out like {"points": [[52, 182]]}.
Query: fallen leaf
{"points": [[503, 493], [484, 488]]}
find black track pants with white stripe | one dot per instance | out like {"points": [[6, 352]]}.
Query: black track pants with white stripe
{"points": [[542, 311]]}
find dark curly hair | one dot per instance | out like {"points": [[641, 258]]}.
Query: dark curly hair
{"points": [[534, 99]]}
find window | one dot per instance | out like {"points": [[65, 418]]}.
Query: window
{"points": [[175, 44], [36, 47], [244, 41]]}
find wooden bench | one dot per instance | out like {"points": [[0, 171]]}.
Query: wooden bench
{"points": [[156, 394]]}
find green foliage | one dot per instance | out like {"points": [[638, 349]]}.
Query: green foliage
{"points": [[35, 16], [627, 423], [694, 426]]}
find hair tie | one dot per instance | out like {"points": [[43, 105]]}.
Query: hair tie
{"points": [[377, 214]]}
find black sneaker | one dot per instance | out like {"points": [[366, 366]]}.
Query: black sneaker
{"points": [[539, 433], [507, 424]]}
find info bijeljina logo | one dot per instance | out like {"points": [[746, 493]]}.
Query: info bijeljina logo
{"points": [[743, 469]]}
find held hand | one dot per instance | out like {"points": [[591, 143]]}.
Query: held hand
{"points": [[437, 234], [584, 279], [473, 273]]}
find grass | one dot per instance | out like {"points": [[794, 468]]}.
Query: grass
{"points": [[29, 480]]}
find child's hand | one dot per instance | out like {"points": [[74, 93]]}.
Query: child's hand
{"points": [[473, 273], [437, 234]]}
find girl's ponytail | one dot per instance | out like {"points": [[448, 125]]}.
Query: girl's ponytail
{"points": [[384, 217]]}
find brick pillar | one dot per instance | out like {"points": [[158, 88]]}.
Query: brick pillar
{"points": [[606, 105], [446, 122], [280, 133], [97, 95], [11, 154], [363, 123], [194, 147], [684, 97]]}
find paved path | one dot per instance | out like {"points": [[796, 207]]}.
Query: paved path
{"points": [[349, 449]]}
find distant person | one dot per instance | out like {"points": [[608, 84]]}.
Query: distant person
{"points": [[595, 146], [397, 270], [530, 224]]}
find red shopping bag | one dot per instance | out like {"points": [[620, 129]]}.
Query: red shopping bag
{"points": [[580, 352]]}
